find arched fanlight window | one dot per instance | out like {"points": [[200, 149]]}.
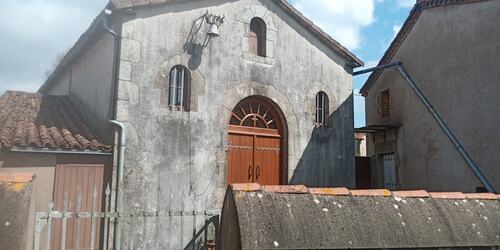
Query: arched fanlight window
{"points": [[257, 37], [179, 88], [321, 108]]}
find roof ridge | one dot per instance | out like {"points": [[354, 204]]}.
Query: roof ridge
{"points": [[343, 191]]}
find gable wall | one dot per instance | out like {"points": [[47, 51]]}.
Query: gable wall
{"points": [[177, 160], [88, 81], [452, 54]]}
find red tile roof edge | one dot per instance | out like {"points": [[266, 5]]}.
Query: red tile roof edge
{"points": [[16, 177], [342, 191], [33, 120]]}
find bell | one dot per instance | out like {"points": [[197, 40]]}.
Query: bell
{"points": [[213, 30]]}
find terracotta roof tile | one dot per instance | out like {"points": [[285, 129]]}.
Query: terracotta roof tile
{"points": [[411, 194], [247, 187], [447, 195], [481, 196], [341, 191], [297, 189], [16, 177], [371, 192], [44, 121], [330, 191]]}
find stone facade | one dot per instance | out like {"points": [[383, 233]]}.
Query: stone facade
{"points": [[452, 54], [177, 160]]}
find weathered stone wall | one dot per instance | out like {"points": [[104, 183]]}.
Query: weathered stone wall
{"points": [[16, 200], [177, 160], [452, 53]]}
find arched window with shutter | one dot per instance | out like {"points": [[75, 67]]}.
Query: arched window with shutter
{"points": [[257, 37], [322, 109], [179, 88]]}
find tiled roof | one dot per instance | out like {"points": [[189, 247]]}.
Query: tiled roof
{"points": [[44, 121], [297, 217], [408, 25]]}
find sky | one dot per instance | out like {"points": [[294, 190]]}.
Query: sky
{"points": [[36, 32]]}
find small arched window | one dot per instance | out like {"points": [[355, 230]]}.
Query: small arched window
{"points": [[257, 37], [179, 88], [321, 108]]}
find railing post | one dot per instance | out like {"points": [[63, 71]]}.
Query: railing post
{"points": [[64, 222], [77, 217], [49, 225], [38, 231], [106, 217], [194, 229], [217, 232], [92, 219]]}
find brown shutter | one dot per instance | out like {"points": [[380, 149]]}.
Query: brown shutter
{"points": [[384, 101]]}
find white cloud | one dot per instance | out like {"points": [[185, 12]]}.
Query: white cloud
{"points": [[34, 32], [405, 3], [396, 28], [340, 18]]}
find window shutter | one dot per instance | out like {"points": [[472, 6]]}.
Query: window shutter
{"points": [[384, 102]]}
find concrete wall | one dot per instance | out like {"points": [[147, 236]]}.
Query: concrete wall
{"points": [[88, 81], [14, 215], [177, 160], [452, 53], [43, 167]]}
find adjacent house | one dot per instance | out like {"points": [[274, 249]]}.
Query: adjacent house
{"points": [[49, 138], [209, 93], [450, 48]]}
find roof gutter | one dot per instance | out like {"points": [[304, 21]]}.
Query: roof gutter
{"points": [[442, 124], [51, 151]]}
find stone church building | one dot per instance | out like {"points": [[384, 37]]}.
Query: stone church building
{"points": [[210, 93]]}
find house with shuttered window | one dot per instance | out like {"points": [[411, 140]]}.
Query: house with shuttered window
{"points": [[450, 48]]}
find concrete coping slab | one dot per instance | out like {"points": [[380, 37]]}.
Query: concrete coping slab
{"points": [[16, 177], [342, 191]]}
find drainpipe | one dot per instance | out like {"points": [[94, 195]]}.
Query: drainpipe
{"points": [[451, 136], [119, 181], [119, 125], [116, 57]]}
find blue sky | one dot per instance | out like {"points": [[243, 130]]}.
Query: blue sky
{"points": [[366, 27], [35, 32]]}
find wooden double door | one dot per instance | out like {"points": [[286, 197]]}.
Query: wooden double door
{"points": [[255, 144]]}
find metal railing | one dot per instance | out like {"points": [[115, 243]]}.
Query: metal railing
{"points": [[94, 229]]}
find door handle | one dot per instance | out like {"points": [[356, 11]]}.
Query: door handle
{"points": [[250, 172], [257, 173]]}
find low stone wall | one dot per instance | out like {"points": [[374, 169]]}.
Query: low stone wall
{"points": [[15, 198], [295, 217]]}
